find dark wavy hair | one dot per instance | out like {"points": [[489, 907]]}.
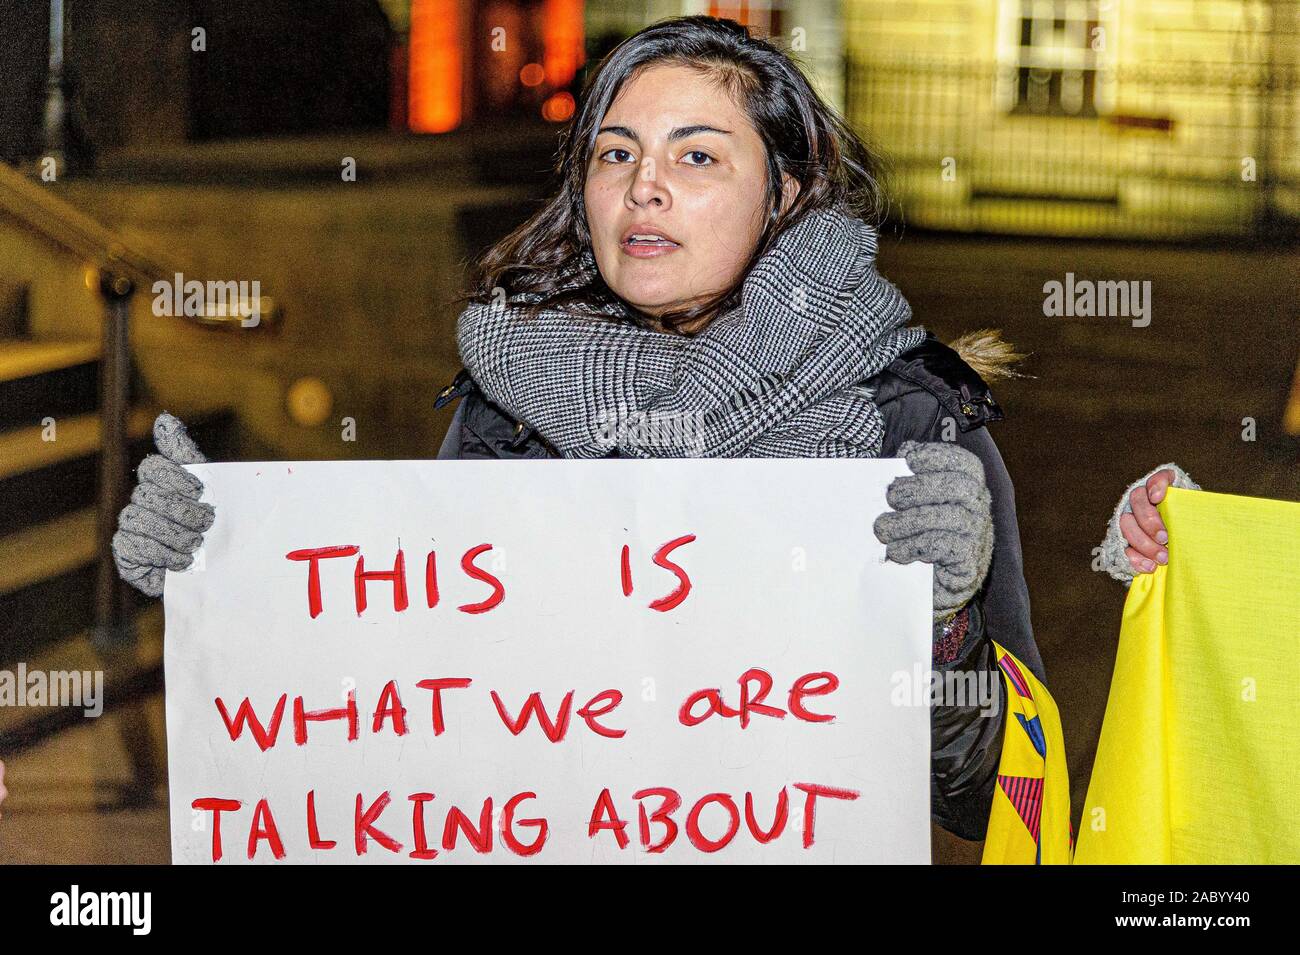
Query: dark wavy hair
{"points": [[803, 136]]}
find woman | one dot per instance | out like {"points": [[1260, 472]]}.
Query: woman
{"points": [[706, 273]]}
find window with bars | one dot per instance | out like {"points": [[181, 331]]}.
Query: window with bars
{"points": [[1059, 46]]}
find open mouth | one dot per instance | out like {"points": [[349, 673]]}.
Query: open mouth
{"points": [[647, 244], [649, 241]]}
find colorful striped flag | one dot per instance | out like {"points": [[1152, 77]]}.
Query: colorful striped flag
{"points": [[1029, 822]]}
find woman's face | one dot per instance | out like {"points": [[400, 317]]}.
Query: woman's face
{"points": [[674, 156]]}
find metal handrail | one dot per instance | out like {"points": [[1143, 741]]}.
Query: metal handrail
{"points": [[58, 221]]}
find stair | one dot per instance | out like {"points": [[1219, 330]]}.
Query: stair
{"points": [[46, 379], [13, 308], [39, 476], [49, 460], [127, 680]]}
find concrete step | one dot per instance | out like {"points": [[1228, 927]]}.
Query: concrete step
{"points": [[46, 583], [128, 673], [26, 449], [46, 550], [65, 794], [41, 479], [25, 359], [15, 299], [47, 379]]}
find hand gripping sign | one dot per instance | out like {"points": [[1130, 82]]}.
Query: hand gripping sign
{"points": [[432, 662]]}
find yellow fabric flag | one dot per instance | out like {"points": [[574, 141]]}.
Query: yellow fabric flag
{"points": [[1029, 823], [1199, 757]]}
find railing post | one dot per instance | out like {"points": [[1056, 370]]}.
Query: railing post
{"points": [[54, 127], [115, 636], [114, 401]]}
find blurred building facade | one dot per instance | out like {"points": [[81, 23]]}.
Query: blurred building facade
{"points": [[1170, 119], [811, 31], [205, 70], [455, 61], [1174, 119], [1084, 117]]}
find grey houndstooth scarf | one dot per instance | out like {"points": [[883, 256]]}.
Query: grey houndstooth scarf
{"points": [[778, 376]]}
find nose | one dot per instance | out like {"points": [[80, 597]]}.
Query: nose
{"points": [[646, 188]]}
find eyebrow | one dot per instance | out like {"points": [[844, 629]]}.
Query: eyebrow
{"points": [[680, 132]]}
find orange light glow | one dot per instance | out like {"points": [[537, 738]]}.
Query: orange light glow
{"points": [[436, 66], [558, 107], [532, 74], [562, 41], [731, 11], [758, 20]]}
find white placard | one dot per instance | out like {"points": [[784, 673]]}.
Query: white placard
{"points": [[732, 567]]}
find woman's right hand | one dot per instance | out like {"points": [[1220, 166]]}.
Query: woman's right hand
{"points": [[163, 525], [1143, 528], [1136, 539]]}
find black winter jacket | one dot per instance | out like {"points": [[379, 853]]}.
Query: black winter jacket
{"points": [[926, 394]]}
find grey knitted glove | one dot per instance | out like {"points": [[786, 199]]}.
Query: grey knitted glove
{"points": [[943, 515], [1113, 560], [163, 525]]}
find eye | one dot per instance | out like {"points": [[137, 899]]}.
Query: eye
{"points": [[700, 152], [615, 149]]}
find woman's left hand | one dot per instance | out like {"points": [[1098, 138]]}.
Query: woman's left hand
{"points": [[1136, 540], [943, 515]]}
